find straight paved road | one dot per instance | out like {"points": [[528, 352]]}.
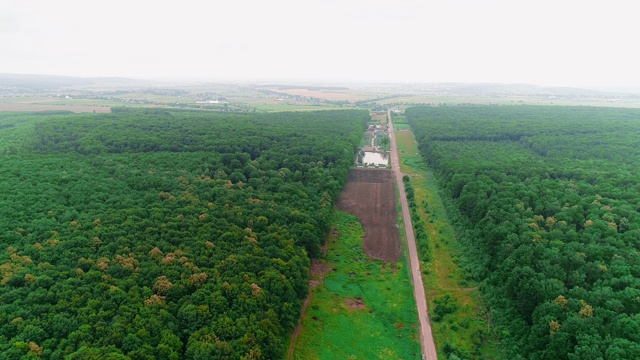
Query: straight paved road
{"points": [[426, 337]]}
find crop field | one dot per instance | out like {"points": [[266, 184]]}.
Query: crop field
{"points": [[370, 195], [276, 107], [54, 107], [421, 99], [331, 95]]}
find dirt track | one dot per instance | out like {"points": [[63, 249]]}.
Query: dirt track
{"points": [[426, 336], [370, 195]]}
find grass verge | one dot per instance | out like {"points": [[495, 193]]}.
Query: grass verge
{"points": [[364, 309], [455, 309]]}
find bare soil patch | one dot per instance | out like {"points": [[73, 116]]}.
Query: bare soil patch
{"points": [[370, 195], [316, 273], [356, 303], [379, 116]]}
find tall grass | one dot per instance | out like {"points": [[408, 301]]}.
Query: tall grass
{"points": [[383, 326], [455, 306]]}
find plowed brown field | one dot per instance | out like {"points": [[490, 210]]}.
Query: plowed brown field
{"points": [[370, 195]]}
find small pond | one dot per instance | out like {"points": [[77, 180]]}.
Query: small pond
{"points": [[375, 158]]}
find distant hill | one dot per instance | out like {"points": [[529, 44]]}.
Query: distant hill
{"points": [[53, 82], [40, 82], [495, 90], [471, 89], [306, 87]]}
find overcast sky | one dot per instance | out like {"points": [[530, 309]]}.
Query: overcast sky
{"points": [[559, 42]]}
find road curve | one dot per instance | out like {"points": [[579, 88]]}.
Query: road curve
{"points": [[426, 337]]}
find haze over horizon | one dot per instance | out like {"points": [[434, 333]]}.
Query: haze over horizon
{"points": [[568, 43]]}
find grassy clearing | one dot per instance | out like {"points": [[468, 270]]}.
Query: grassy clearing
{"points": [[364, 309], [454, 305]]}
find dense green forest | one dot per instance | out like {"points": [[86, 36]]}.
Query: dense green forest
{"points": [[546, 201], [153, 234]]}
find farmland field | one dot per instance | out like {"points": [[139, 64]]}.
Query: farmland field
{"points": [[54, 107], [331, 95], [362, 308], [369, 195]]}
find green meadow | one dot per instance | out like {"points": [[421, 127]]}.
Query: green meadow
{"points": [[364, 309]]}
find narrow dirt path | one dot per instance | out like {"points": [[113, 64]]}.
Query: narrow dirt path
{"points": [[426, 337], [294, 336], [317, 272]]}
